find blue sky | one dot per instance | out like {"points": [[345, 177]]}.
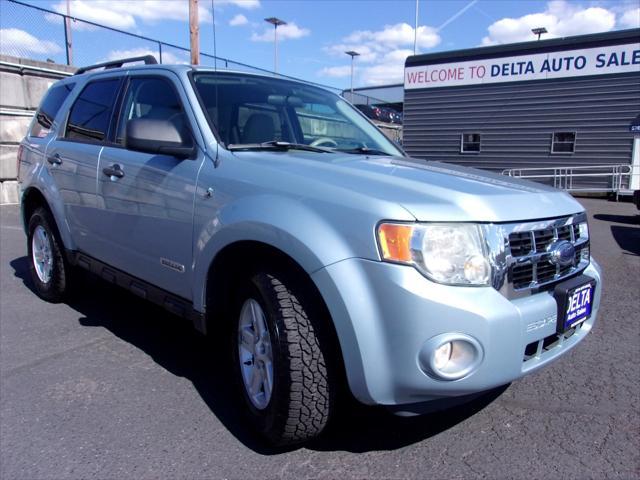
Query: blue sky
{"points": [[312, 45]]}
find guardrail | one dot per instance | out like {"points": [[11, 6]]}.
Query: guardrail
{"points": [[588, 179]]}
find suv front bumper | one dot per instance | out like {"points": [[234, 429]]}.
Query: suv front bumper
{"points": [[384, 315]]}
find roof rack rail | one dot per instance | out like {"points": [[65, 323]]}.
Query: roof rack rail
{"points": [[147, 59]]}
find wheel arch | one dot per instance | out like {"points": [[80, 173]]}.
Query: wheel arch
{"points": [[32, 198], [240, 258]]}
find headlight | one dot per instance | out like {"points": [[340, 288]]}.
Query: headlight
{"points": [[447, 253]]}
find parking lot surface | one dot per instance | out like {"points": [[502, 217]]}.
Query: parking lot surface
{"points": [[109, 386]]}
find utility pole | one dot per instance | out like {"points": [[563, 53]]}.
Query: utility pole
{"points": [[276, 22], [67, 35], [194, 32], [415, 32]]}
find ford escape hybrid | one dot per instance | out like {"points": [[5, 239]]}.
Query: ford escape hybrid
{"points": [[276, 217]]}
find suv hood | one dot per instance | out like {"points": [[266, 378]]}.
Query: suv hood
{"points": [[430, 191]]}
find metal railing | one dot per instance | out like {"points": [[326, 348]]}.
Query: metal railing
{"points": [[588, 179]]}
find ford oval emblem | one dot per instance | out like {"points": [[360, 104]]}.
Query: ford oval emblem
{"points": [[561, 253]]}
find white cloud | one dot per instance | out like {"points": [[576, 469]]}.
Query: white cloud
{"points": [[288, 31], [560, 18], [18, 43], [382, 52], [396, 35], [389, 69], [630, 18], [238, 20], [336, 72], [246, 4], [167, 57], [122, 14]]}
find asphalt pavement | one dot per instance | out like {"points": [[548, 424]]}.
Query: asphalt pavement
{"points": [[109, 386]]}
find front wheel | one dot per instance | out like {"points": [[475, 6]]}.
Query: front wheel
{"points": [[280, 353]]}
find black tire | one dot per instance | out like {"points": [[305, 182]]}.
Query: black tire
{"points": [[57, 287], [303, 393]]}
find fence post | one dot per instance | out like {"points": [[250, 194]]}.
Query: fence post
{"points": [[67, 39], [160, 50]]}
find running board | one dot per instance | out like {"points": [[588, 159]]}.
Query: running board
{"points": [[177, 305]]}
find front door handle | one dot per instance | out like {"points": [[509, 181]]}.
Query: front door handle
{"points": [[54, 159], [113, 171]]}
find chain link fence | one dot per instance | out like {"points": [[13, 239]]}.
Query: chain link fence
{"points": [[30, 31], [37, 33]]}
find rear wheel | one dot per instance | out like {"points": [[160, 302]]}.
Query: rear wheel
{"points": [[280, 353], [49, 269]]}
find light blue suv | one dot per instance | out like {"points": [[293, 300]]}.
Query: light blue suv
{"points": [[278, 219]]}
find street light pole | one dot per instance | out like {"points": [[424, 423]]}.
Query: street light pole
{"points": [[415, 32], [539, 31], [276, 22], [352, 54]]}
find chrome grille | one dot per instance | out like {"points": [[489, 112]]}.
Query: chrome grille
{"points": [[530, 262]]}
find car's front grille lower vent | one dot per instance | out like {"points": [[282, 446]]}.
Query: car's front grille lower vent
{"points": [[533, 253]]}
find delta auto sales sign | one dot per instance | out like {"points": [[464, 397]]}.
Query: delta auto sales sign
{"points": [[568, 63]]}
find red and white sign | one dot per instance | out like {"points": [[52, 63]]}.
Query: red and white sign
{"points": [[569, 63]]}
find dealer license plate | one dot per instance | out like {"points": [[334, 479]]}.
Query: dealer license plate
{"points": [[577, 306]]}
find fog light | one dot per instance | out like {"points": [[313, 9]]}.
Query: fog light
{"points": [[442, 355], [450, 356]]}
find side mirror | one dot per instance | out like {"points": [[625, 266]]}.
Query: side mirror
{"points": [[158, 136]]}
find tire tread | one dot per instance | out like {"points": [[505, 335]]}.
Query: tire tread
{"points": [[309, 402]]}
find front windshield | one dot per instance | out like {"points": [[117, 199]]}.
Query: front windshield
{"points": [[247, 110]]}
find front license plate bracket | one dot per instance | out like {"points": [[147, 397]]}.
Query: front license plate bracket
{"points": [[575, 301]]}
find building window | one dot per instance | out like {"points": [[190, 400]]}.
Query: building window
{"points": [[470, 143], [563, 142]]}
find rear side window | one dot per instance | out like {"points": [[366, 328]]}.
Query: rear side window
{"points": [[90, 115], [49, 108]]}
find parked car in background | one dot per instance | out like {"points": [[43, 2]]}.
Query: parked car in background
{"points": [[386, 114], [370, 111], [284, 224]]}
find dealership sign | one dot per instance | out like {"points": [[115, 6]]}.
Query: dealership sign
{"points": [[568, 63]]}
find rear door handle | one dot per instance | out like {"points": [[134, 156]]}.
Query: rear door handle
{"points": [[54, 159], [113, 171]]}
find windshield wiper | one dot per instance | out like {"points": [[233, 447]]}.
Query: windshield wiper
{"points": [[277, 145], [361, 151]]}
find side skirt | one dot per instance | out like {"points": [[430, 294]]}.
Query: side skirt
{"points": [[177, 305]]}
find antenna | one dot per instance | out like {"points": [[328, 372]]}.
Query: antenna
{"points": [[215, 53]]}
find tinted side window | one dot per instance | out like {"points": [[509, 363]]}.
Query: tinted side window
{"points": [[49, 108], [91, 113], [153, 98]]}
